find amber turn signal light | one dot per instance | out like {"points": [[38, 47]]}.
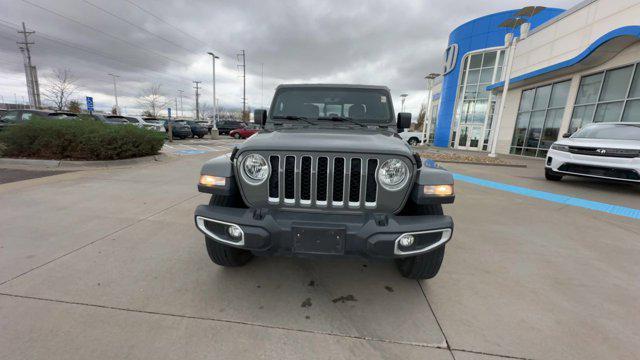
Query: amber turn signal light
{"points": [[208, 180], [438, 190]]}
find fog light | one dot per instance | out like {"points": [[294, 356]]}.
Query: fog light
{"points": [[438, 190], [406, 240], [208, 180], [234, 231]]}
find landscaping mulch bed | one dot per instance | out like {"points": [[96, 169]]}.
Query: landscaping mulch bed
{"points": [[467, 158]]}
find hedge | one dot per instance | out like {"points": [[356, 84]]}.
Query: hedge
{"points": [[78, 140]]}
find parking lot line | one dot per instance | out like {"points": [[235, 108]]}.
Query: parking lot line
{"points": [[557, 198]]}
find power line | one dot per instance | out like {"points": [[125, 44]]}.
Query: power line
{"points": [[91, 51], [166, 22], [136, 46], [138, 26]]}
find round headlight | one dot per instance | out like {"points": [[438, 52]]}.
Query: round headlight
{"points": [[255, 168], [393, 174]]}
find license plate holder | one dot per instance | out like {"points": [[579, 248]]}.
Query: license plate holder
{"points": [[319, 240]]}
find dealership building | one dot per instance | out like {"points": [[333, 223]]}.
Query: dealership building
{"points": [[565, 69]]}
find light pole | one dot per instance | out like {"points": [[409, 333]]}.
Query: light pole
{"points": [[115, 92], [181, 108], [215, 107], [426, 130], [403, 97]]}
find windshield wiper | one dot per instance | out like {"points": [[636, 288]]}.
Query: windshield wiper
{"points": [[294, 117], [342, 118]]}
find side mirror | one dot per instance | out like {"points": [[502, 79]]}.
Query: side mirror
{"points": [[404, 121], [260, 117], [566, 135]]}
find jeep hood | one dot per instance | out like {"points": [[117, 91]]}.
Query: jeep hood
{"points": [[328, 140]]}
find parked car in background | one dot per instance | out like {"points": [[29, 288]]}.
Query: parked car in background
{"points": [[13, 117], [244, 132], [601, 150], [110, 119], [180, 128], [141, 123], [207, 124], [198, 128], [225, 126], [412, 137]]}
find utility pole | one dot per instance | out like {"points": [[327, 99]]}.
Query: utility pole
{"points": [[115, 92], [262, 85], [215, 106], [403, 97], [181, 108], [33, 87], [243, 66], [176, 98], [426, 124], [197, 87]]}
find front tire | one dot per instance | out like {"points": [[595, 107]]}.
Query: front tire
{"points": [[225, 255], [423, 266], [236, 136], [552, 175], [413, 141]]}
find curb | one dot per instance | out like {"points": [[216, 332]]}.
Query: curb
{"points": [[479, 163], [79, 164]]}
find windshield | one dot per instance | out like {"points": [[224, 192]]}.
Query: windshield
{"points": [[156, 122], [609, 132], [116, 120], [369, 106]]}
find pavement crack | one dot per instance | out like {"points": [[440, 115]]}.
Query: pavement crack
{"points": [[446, 341], [98, 239], [492, 354], [228, 321]]}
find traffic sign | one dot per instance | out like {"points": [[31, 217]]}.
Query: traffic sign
{"points": [[89, 103]]}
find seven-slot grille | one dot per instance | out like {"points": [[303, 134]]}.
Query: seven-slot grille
{"points": [[323, 181]]}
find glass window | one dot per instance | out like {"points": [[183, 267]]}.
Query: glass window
{"points": [[608, 112], [551, 127], [582, 115], [559, 94], [541, 100], [522, 122], [539, 118], [476, 61], [473, 77], [589, 87], [635, 85], [631, 111], [26, 116], [489, 60], [486, 75], [10, 116], [616, 84]]}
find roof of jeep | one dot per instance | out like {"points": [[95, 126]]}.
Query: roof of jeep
{"points": [[349, 86]]}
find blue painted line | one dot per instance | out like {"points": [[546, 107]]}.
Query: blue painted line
{"points": [[557, 198], [191, 152]]}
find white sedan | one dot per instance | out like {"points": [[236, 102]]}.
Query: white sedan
{"points": [[601, 150]]}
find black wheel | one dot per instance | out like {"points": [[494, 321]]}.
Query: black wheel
{"points": [[225, 255], [236, 136], [200, 136], [423, 266], [414, 141], [552, 175], [182, 137]]}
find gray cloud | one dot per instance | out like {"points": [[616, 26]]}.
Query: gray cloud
{"points": [[376, 42]]}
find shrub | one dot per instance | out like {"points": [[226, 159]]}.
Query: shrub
{"points": [[78, 140]]}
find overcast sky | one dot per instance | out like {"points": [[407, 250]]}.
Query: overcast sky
{"points": [[393, 43]]}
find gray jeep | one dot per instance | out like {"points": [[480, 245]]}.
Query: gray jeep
{"points": [[327, 175]]}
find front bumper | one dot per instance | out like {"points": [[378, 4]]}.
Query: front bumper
{"points": [[366, 235], [613, 168]]}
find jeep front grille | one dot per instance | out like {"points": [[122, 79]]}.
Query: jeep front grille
{"points": [[323, 181]]}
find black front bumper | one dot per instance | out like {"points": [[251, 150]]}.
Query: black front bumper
{"points": [[268, 231]]}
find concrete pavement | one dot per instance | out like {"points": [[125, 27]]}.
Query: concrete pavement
{"points": [[107, 264]]}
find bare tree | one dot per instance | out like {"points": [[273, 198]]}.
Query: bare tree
{"points": [[60, 87], [206, 110], [114, 110], [422, 115], [152, 100]]}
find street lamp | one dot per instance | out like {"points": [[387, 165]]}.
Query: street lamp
{"points": [[115, 92], [215, 107], [403, 97], [426, 130]]}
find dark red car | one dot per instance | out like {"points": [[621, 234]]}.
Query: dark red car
{"points": [[244, 132]]}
